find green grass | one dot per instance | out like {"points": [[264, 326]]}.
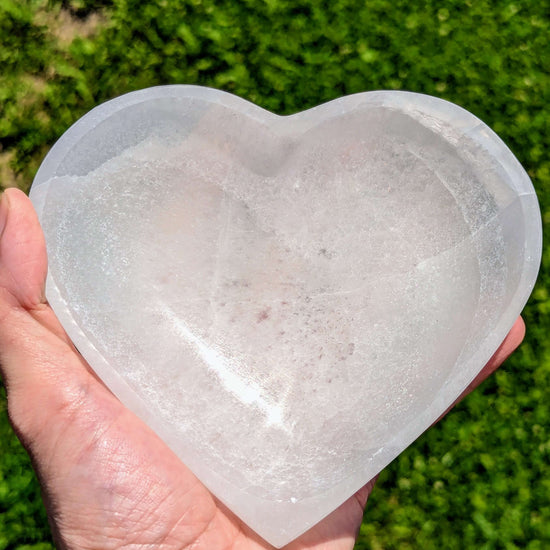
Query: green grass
{"points": [[481, 478]]}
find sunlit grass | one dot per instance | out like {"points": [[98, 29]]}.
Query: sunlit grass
{"points": [[481, 478]]}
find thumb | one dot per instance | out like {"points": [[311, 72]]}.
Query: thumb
{"points": [[27, 323], [45, 377], [23, 262]]}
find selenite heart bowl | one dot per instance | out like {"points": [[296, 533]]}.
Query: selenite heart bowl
{"points": [[287, 301]]}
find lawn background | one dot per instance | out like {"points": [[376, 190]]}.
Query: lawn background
{"points": [[478, 480]]}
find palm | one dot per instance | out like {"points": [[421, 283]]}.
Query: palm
{"points": [[109, 481]]}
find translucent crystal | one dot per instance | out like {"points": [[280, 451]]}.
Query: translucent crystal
{"points": [[288, 301]]}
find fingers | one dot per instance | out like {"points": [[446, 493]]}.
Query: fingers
{"points": [[363, 494], [508, 346]]}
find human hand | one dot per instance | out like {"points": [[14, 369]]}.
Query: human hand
{"points": [[108, 481]]}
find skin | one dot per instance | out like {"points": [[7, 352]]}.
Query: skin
{"points": [[108, 481]]}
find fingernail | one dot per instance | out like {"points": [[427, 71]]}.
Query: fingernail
{"points": [[4, 207]]}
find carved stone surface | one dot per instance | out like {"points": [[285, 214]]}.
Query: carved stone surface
{"points": [[288, 301]]}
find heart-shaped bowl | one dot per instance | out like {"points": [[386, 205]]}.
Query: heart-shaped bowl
{"points": [[287, 301]]}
